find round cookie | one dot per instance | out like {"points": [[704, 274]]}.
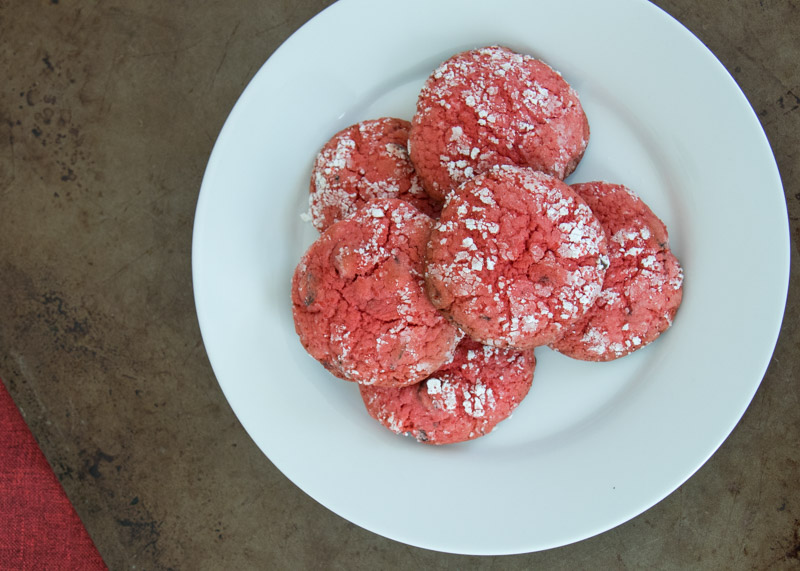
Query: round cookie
{"points": [[358, 300], [516, 258], [463, 400], [493, 106], [643, 286], [364, 161]]}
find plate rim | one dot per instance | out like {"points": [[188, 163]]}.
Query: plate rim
{"points": [[197, 262]]}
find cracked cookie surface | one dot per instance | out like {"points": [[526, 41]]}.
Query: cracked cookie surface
{"points": [[494, 106], [516, 258], [358, 301], [643, 286], [364, 161], [465, 399]]}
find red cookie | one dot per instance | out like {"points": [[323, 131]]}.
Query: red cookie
{"points": [[516, 258], [643, 286], [364, 161], [358, 300], [493, 106], [463, 400]]}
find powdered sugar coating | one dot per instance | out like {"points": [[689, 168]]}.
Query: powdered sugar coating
{"points": [[494, 106], [358, 301], [516, 258], [465, 399], [364, 161], [643, 286]]}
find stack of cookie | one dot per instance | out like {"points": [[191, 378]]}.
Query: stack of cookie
{"points": [[450, 247]]}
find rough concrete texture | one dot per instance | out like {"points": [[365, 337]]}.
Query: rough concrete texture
{"points": [[108, 112]]}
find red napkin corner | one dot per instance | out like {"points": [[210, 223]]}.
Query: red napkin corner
{"points": [[39, 528]]}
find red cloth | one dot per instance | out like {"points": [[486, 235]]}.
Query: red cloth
{"points": [[39, 528]]}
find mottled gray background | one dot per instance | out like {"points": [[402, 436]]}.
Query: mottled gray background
{"points": [[108, 112]]}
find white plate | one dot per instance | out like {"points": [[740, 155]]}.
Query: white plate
{"points": [[593, 444]]}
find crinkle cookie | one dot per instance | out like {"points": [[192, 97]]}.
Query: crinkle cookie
{"points": [[364, 161], [493, 106], [358, 299], [643, 286], [463, 400], [516, 258]]}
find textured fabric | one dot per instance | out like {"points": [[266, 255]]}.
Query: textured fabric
{"points": [[39, 528]]}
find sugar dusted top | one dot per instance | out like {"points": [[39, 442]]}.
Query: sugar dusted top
{"points": [[464, 399], [515, 257], [493, 106], [358, 299], [364, 161], [643, 286]]}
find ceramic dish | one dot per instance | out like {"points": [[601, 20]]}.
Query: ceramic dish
{"points": [[593, 445]]}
